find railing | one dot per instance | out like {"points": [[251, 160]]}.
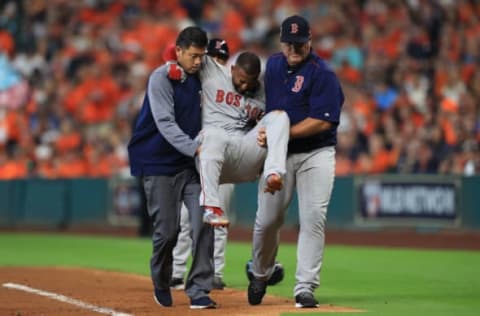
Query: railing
{"points": [[418, 201]]}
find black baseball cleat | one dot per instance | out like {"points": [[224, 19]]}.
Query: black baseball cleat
{"points": [[218, 283], [276, 277], [163, 297], [177, 284], [305, 300], [204, 302], [256, 291]]}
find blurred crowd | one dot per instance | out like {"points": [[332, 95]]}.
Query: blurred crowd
{"points": [[73, 74]]}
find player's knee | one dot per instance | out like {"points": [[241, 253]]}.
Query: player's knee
{"points": [[281, 117], [271, 223]]}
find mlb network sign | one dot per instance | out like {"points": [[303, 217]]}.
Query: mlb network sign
{"points": [[406, 200]]}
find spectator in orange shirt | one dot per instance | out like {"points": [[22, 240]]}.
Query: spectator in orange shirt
{"points": [[71, 164], [348, 73], [13, 165], [69, 137], [381, 157], [102, 162], [6, 43], [343, 165], [363, 164], [13, 124], [98, 163]]}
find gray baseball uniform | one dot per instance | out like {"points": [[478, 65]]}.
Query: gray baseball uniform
{"points": [[226, 118], [229, 152]]}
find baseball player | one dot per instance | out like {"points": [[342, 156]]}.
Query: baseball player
{"points": [[232, 102], [218, 50], [300, 83]]}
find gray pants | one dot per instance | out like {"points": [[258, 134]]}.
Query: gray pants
{"points": [[181, 251], [165, 195], [313, 174], [229, 157]]}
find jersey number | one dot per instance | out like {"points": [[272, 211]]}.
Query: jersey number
{"points": [[298, 83], [230, 98]]}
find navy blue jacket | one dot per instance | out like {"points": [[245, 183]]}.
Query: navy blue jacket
{"points": [[170, 118]]}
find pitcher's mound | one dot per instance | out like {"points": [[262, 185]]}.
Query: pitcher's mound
{"points": [[72, 291]]}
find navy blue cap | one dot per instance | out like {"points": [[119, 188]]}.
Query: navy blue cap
{"points": [[218, 48], [295, 29]]}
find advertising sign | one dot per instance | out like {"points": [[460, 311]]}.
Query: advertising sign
{"points": [[381, 199]]}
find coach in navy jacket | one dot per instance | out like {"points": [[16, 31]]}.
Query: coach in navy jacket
{"points": [[300, 83], [161, 152], [163, 142]]}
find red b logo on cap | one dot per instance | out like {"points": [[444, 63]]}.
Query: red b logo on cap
{"points": [[294, 28]]}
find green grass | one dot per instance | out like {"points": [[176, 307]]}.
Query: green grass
{"points": [[379, 280], [108, 253]]}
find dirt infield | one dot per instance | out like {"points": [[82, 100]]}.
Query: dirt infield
{"points": [[116, 293]]}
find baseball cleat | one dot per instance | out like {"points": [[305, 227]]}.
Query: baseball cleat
{"points": [[177, 284], [218, 283], [204, 302], [256, 291], [305, 300], [277, 275], [274, 183], [215, 216], [163, 297]]}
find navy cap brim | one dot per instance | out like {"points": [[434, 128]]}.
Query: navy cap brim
{"points": [[294, 39]]}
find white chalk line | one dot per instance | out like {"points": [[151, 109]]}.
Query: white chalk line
{"points": [[65, 299]]}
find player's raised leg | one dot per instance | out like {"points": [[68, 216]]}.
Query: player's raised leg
{"points": [[209, 164]]}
